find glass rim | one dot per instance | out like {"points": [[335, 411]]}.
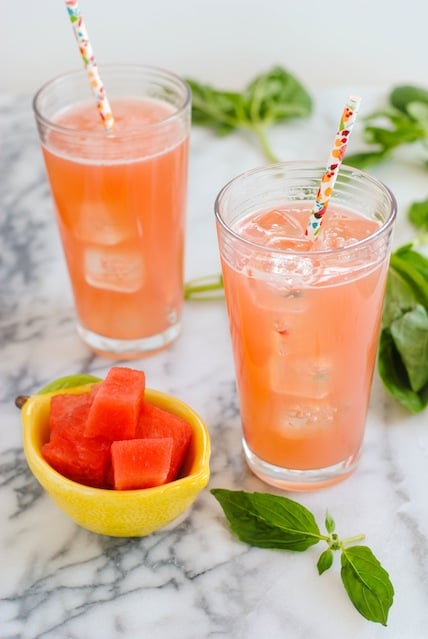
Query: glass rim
{"points": [[102, 134], [314, 164]]}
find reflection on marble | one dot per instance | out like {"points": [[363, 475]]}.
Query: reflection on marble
{"points": [[192, 580]]}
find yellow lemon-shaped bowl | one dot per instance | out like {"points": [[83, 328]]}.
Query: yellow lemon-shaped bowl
{"points": [[124, 513]]}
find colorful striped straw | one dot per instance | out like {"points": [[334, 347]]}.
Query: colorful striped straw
{"points": [[328, 180], [88, 58]]}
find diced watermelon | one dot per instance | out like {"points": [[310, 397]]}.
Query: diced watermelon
{"points": [[116, 406], [141, 463], [111, 438], [68, 413], [83, 460], [157, 422]]}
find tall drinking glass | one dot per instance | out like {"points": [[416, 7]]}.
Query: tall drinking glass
{"points": [[120, 201], [304, 316]]}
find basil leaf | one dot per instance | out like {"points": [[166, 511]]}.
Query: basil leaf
{"points": [[402, 96], [394, 376], [403, 121], [403, 344], [275, 96], [218, 109], [401, 130], [418, 261], [367, 583], [418, 215], [330, 524], [399, 297], [364, 160], [271, 97], [413, 268], [419, 112], [410, 335], [325, 561], [268, 521], [69, 381]]}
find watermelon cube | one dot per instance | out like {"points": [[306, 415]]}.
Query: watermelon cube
{"points": [[116, 406], [157, 422], [82, 460], [140, 463], [69, 413]]}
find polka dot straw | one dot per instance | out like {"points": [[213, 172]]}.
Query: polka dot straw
{"points": [[88, 58], [328, 180]]}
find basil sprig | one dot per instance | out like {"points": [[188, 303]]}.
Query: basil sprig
{"points": [[404, 121], [274, 96], [418, 216], [403, 345], [271, 521]]}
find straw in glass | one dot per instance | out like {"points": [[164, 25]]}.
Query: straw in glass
{"points": [[88, 58], [328, 180]]}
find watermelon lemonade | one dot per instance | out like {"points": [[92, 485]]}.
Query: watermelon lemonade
{"points": [[120, 199], [304, 317]]}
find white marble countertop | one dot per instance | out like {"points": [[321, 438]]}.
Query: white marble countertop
{"points": [[194, 580]]}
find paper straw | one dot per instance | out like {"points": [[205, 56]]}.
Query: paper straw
{"points": [[88, 58], [328, 180]]}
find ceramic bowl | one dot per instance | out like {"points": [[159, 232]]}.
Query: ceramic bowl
{"points": [[127, 513]]}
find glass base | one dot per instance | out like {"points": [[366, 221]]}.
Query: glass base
{"points": [[299, 480], [128, 349]]}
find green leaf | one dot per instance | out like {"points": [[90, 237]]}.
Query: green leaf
{"points": [[329, 523], [399, 297], [410, 335], [403, 121], [365, 160], [402, 96], [325, 561], [271, 97], [403, 344], [402, 131], [413, 268], [394, 376], [367, 583], [418, 215], [275, 96], [268, 521], [419, 262], [218, 109], [69, 381], [419, 112]]}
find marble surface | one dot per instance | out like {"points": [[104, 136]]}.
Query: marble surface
{"points": [[193, 580]]}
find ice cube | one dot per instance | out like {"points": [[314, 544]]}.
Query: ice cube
{"points": [[286, 224], [340, 230], [296, 418], [114, 269], [95, 224], [278, 297], [299, 375], [275, 227]]}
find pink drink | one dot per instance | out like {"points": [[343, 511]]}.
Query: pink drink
{"points": [[122, 221], [304, 321], [120, 199]]}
